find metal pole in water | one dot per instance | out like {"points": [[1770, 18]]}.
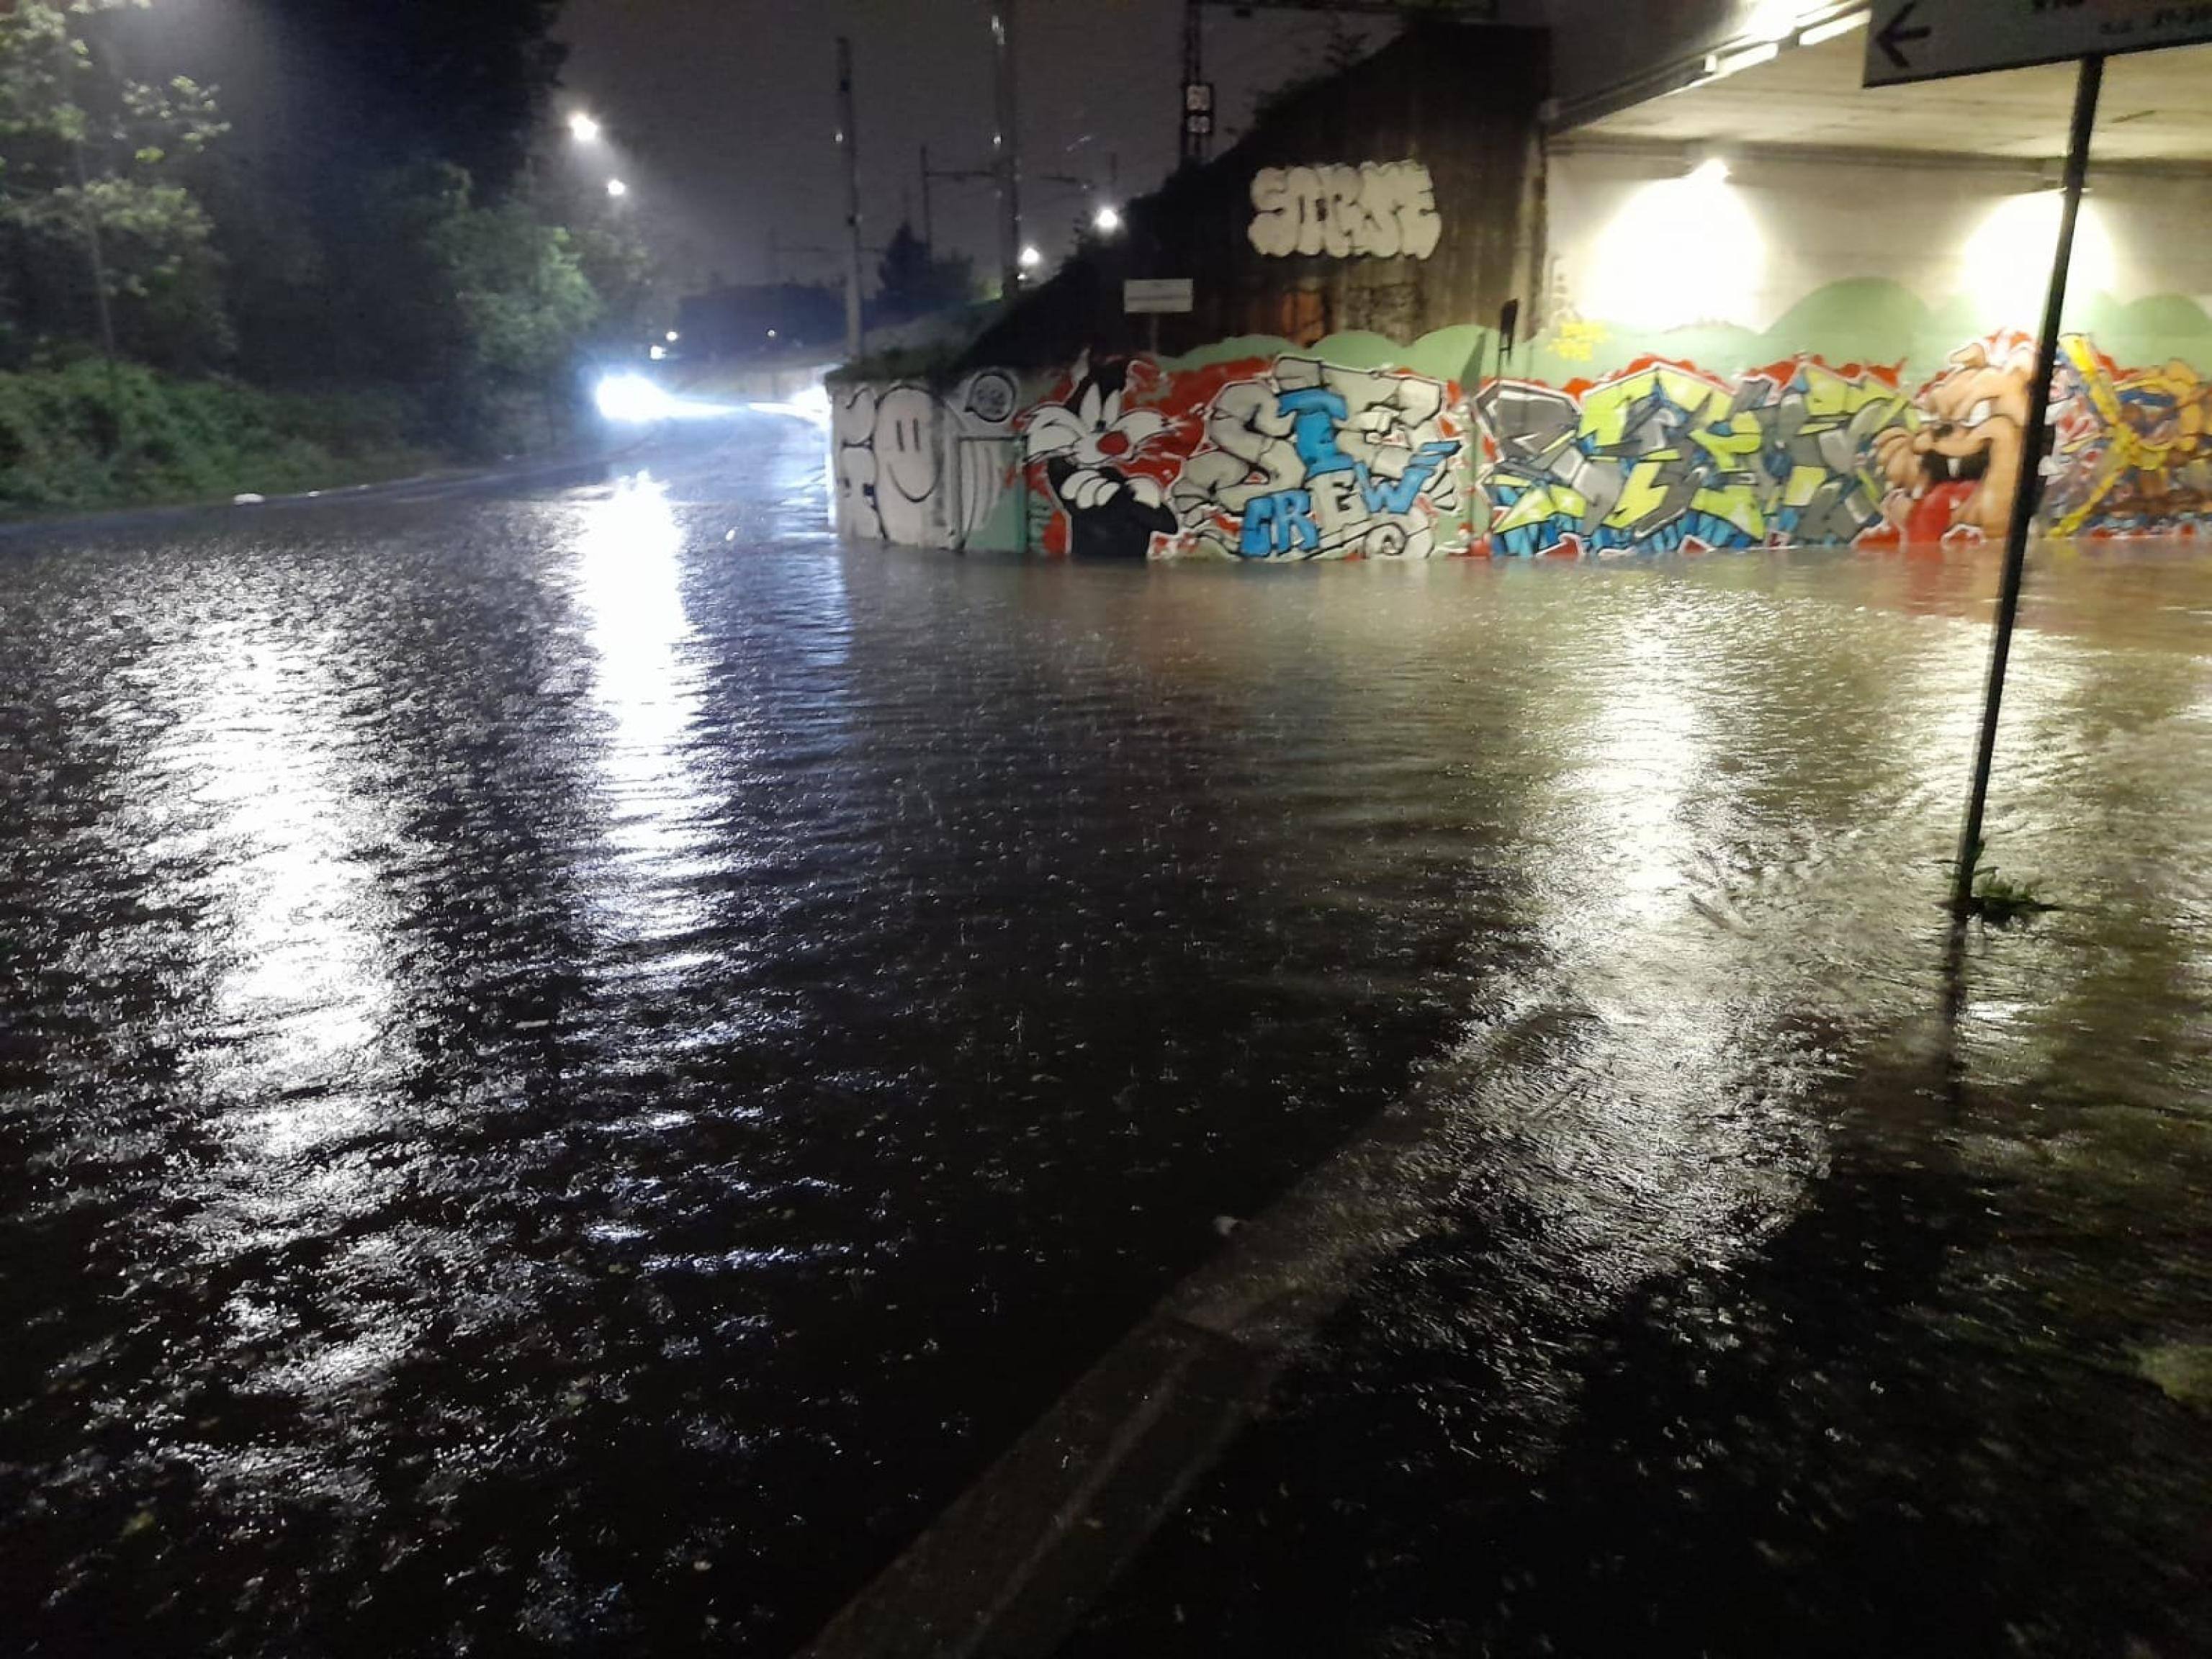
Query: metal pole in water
{"points": [[2023, 505]]}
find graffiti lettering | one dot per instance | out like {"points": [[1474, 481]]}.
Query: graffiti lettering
{"points": [[2134, 447], [1376, 210], [1296, 459], [907, 469], [1314, 461], [1662, 456], [1279, 525]]}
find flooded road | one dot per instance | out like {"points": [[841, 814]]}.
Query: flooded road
{"points": [[577, 1061]]}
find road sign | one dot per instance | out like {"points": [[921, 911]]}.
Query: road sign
{"points": [[1931, 40], [1162, 296]]}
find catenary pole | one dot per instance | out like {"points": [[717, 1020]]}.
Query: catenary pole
{"points": [[1005, 153], [849, 141], [928, 220]]}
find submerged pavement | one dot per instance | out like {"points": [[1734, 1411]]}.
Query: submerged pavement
{"points": [[581, 1060]]}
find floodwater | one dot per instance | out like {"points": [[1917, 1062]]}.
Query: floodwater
{"points": [[576, 1061]]}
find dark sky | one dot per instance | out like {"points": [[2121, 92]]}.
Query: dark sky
{"points": [[722, 112]]}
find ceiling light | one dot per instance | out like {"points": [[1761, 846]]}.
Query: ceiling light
{"points": [[1718, 64], [1835, 28], [1775, 20]]}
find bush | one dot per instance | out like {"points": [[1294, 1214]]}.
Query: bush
{"points": [[89, 434], [928, 365]]}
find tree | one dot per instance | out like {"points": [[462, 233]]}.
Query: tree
{"points": [[912, 282], [523, 300], [453, 81], [620, 269], [468, 303], [106, 238], [1347, 43]]}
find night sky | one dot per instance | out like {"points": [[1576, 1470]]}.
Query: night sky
{"points": [[722, 112]]}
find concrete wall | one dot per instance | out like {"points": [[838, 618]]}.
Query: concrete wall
{"points": [[1391, 204], [1608, 54], [1792, 350], [1398, 197], [1827, 349], [922, 465], [1634, 242]]}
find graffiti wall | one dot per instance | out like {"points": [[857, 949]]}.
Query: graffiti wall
{"points": [[1376, 210], [1305, 461], [1293, 456], [2134, 451], [918, 467], [1662, 456], [1289, 457]]}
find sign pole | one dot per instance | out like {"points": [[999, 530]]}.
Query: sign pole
{"points": [[1471, 383], [2031, 477]]}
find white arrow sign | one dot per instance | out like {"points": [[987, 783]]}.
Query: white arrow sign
{"points": [[1929, 39]]}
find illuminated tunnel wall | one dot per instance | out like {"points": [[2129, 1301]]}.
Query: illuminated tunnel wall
{"points": [[1832, 351], [1768, 352]]}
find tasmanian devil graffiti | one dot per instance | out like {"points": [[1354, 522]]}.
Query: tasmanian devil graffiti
{"points": [[1957, 467], [1084, 443]]}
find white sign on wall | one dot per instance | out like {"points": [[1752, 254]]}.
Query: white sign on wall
{"points": [[1165, 296], [1376, 210], [1928, 40]]}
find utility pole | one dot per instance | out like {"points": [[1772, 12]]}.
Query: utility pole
{"points": [[1197, 123], [1006, 151], [848, 140], [929, 225]]}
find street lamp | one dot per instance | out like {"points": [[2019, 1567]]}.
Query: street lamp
{"points": [[673, 337], [617, 189], [1030, 258], [583, 129], [1107, 220]]}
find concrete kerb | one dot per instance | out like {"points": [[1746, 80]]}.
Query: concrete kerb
{"points": [[1009, 1569]]}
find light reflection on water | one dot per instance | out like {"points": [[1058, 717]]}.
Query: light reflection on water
{"points": [[301, 992], [248, 792], [1754, 1271], [628, 580], [565, 1045]]}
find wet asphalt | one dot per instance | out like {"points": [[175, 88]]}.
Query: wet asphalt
{"points": [[578, 1058]]}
